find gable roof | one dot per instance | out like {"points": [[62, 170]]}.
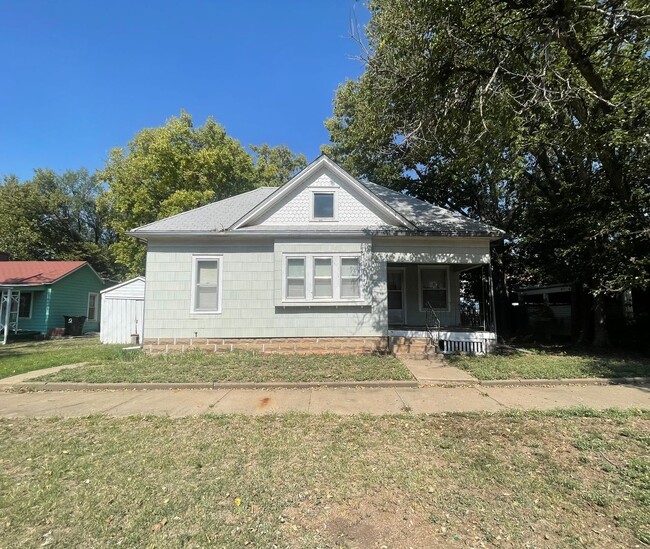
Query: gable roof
{"points": [[410, 215], [300, 178], [36, 273]]}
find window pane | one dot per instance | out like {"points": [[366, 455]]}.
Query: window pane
{"points": [[208, 272], [350, 287], [296, 288], [350, 266], [206, 298], [296, 267], [323, 205], [395, 300], [323, 287], [25, 305], [434, 298], [434, 278], [323, 267]]}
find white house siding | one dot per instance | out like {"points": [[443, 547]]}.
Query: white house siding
{"points": [[252, 280], [248, 296], [298, 209], [122, 312]]}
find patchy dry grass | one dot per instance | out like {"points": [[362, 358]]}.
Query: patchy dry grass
{"points": [[569, 479], [20, 357], [538, 364], [237, 366]]}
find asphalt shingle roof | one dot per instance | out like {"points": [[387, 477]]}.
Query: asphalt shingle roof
{"points": [[430, 218], [215, 217], [220, 216]]}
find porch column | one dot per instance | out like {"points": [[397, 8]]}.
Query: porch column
{"points": [[493, 312], [7, 303]]}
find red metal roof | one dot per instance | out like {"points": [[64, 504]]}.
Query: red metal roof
{"points": [[35, 273]]}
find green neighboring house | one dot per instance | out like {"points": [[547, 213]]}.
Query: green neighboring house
{"points": [[36, 295]]}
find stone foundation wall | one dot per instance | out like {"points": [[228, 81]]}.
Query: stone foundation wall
{"points": [[306, 345]]}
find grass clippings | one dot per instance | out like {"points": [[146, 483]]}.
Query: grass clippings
{"points": [[540, 364], [569, 479]]}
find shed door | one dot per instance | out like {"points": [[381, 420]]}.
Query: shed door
{"points": [[120, 319], [396, 302]]}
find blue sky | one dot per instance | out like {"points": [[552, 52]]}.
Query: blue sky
{"points": [[82, 77]]}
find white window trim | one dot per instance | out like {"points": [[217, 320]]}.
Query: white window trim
{"points": [[341, 277], [88, 318], [434, 268], [309, 298], [285, 270], [195, 262], [31, 305], [335, 206], [331, 277]]}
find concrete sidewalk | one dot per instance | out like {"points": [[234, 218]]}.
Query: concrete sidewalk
{"points": [[344, 401]]}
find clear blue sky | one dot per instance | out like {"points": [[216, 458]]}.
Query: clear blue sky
{"points": [[78, 78]]}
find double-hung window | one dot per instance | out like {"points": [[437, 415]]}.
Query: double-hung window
{"points": [[316, 278], [91, 313], [295, 276], [434, 284], [350, 275], [323, 287], [206, 284]]}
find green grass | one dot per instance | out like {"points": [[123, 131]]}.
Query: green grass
{"points": [[20, 357], [236, 366], [564, 479], [539, 364]]}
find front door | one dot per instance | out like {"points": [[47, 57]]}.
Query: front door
{"points": [[396, 302]]}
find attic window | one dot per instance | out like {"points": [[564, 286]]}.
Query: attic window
{"points": [[323, 206]]}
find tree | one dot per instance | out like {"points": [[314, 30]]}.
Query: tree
{"points": [[170, 169], [55, 217], [274, 166], [529, 114]]}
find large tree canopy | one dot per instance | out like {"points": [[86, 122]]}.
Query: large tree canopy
{"points": [[529, 114], [55, 216], [176, 167]]}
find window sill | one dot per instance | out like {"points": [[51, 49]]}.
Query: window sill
{"points": [[346, 303]]}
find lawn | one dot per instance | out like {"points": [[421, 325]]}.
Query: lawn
{"points": [[569, 479], [237, 366], [20, 357], [540, 364]]}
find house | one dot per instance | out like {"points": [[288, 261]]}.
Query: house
{"points": [[322, 263], [35, 295], [122, 312]]}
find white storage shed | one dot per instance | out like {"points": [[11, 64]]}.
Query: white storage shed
{"points": [[122, 312]]}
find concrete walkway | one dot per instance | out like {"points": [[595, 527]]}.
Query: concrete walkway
{"points": [[345, 401], [435, 371]]}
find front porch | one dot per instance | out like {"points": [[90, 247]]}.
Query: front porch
{"points": [[445, 308]]}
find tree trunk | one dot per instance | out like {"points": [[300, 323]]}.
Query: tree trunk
{"points": [[601, 337]]}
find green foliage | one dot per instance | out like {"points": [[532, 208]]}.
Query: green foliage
{"points": [[167, 170], [176, 167], [274, 166], [56, 217], [530, 115]]}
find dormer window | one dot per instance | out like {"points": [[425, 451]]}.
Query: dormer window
{"points": [[323, 206]]}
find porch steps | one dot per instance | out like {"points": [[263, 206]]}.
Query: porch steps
{"points": [[413, 347]]}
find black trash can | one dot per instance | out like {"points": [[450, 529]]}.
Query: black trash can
{"points": [[74, 325]]}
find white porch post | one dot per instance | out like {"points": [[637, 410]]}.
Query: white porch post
{"points": [[493, 311], [7, 304]]}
